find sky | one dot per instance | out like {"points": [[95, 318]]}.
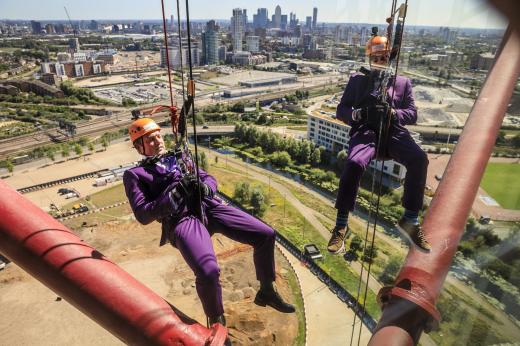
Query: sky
{"points": [[454, 13]]}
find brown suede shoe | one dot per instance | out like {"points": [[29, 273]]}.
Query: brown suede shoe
{"points": [[337, 240], [415, 233]]}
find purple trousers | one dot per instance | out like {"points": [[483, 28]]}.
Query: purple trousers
{"points": [[401, 148], [193, 239]]}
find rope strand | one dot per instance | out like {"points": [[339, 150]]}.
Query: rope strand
{"points": [[191, 98]]}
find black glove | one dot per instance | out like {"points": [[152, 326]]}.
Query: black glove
{"points": [[376, 115], [189, 188]]}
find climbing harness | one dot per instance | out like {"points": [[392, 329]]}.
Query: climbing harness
{"points": [[178, 119], [385, 124]]}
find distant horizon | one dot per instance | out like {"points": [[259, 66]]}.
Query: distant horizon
{"points": [[475, 14], [202, 20]]}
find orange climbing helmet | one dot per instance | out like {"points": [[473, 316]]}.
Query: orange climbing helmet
{"points": [[141, 127], [377, 45], [378, 51]]}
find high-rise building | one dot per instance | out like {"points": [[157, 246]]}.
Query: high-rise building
{"points": [[237, 29], [283, 22], [350, 35], [277, 22], [222, 50], [293, 22], [49, 29], [36, 27], [210, 44], [93, 25], [244, 16], [172, 23], [74, 45], [314, 18], [308, 23], [253, 43], [261, 18], [363, 38]]}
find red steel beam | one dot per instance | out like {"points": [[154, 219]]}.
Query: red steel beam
{"points": [[409, 306], [84, 277]]}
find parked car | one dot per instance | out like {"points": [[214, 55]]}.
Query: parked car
{"points": [[79, 208], [205, 126], [71, 194], [64, 191]]}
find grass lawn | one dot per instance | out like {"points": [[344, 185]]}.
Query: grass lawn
{"points": [[284, 217], [502, 182]]}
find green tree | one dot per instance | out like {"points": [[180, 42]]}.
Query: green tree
{"points": [[356, 243], [304, 152], [390, 272], [128, 102], [257, 151], [83, 141], [370, 253], [316, 157], [237, 107], [280, 159], [199, 119], [501, 138], [258, 202], [292, 148], [90, 146], [9, 165], [50, 154], [515, 141], [65, 150], [78, 150], [262, 119], [325, 155], [104, 142], [341, 159], [242, 192]]}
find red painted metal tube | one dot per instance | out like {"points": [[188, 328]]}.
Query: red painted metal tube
{"points": [[54, 255], [409, 306]]}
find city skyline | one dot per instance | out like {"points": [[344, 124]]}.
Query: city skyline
{"points": [[460, 13]]}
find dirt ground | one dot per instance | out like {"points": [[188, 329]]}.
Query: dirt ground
{"points": [[31, 314]]}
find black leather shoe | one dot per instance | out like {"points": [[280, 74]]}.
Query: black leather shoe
{"points": [[218, 319], [273, 299]]}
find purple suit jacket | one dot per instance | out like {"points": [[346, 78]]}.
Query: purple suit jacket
{"points": [[356, 94], [148, 188]]}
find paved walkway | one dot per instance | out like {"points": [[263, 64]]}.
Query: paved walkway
{"points": [[328, 323]]}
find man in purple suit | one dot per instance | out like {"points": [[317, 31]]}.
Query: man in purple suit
{"points": [[362, 108], [162, 189]]}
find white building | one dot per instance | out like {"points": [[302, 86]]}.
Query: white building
{"points": [[253, 44], [175, 56], [324, 130], [237, 29], [291, 41]]}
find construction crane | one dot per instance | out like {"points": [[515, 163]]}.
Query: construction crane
{"points": [[70, 21]]}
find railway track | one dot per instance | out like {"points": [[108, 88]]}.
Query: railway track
{"points": [[60, 181], [98, 126]]}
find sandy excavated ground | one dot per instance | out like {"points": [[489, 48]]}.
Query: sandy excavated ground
{"points": [[437, 106], [31, 314]]}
